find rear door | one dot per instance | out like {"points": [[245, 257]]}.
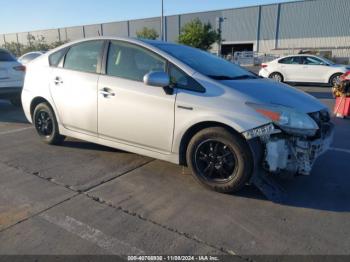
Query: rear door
{"points": [[74, 86]]}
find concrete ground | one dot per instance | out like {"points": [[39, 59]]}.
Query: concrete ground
{"points": [[81, 198]]}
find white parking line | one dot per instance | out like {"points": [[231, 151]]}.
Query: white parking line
{"points": [[93, 235], [15, 130], [340, 150]]}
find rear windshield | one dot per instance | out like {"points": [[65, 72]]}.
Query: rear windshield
{"points": [[6, 56]]}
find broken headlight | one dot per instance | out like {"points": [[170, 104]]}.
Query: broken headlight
{"points": [[289, 120]]}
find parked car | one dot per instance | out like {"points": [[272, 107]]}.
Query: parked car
{"points": [[178, 104], [28, 57], [303, 68], [11, 77]]}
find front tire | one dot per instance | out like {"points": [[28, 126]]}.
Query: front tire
{"points": [[46, 125], [220, 160], [334, 79]]}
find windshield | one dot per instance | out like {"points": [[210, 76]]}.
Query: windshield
{"points": [[206, 63], [327, 60]]}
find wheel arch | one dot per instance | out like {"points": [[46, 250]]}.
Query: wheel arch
{"points": [[193, 130], [35, 102], [333, 75], [277, 72]]}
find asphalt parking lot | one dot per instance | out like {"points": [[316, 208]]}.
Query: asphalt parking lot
{"points": [[81, 198]]}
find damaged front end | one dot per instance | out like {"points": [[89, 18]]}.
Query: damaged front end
{"points": [[291, 151]]}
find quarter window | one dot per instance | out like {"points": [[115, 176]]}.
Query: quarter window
{"points": [[84, 57], [56, 57], [180, 79], [132, 62]]}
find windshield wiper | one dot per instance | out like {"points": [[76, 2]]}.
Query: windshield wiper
{"points": [[222, 77]]}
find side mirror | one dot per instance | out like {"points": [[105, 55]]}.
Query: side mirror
{"points": [[157, 78]]}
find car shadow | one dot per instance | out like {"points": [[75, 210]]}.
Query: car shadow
{"points": [[327, 188], [321, 95], [78, 144], [11, 114]]}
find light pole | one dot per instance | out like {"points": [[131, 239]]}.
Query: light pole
{"points": [[219, 21], [162, 22]]}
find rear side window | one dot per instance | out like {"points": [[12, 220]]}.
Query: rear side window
{"points": [[132, 62], [180, 79], [6, 57], [55, 58], [293, 60], [84, 57]]}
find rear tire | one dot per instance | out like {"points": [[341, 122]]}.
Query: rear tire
{"points": [[220, 160], [46, 125], [277, 77]]}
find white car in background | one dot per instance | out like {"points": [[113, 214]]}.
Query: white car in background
{"points": [[304, 69], [11, 77], [28, 57]]}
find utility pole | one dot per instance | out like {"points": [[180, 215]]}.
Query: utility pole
{"points": [[162, 22]]}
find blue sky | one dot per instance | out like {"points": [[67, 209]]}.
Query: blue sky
{"points": [[24, 15]]}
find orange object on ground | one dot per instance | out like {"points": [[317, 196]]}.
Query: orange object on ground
{"points": [[342, 106]]}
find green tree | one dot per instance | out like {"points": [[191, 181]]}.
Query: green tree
{"points": [[199, 35], [147, 33], [34, 44]]}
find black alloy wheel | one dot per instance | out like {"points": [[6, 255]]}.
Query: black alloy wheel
{"points": [[215, 161]]}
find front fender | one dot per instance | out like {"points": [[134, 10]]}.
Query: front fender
{"points": [[185, 120]]}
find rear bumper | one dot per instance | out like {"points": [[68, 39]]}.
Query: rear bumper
{"points": [[264, 73]]}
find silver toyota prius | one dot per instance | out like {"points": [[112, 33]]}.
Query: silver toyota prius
{"points": [[178, 104]]}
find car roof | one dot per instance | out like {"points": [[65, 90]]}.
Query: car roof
{"points": [[299, 55]]}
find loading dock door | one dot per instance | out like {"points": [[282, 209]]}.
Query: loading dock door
{"points": [[231, 49]]}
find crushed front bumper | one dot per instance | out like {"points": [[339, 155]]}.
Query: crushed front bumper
{"points": [[295, 155], [287, 154]]}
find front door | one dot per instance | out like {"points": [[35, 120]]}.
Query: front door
{"points": [[128, 110], [316, 70]]}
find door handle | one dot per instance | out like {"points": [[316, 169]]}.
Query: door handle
{"points": [[58, 81], [106, 92]]}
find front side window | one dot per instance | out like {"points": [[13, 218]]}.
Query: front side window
{"points": [[6, 57], [84, 56], [308, 60], [132, 62], [180, 79]]}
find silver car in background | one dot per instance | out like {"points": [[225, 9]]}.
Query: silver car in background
{"points": [[11, 77], [177, 104]]}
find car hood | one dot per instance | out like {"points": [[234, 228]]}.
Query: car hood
{"points": [[341, 66], [270, 92]]}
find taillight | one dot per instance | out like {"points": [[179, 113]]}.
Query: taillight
{"points": [[263, 65], [20, 68]]}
